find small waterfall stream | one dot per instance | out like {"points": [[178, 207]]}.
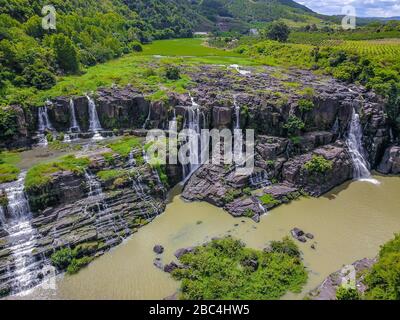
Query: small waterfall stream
{"points": [[356, 149], [104, 215], [43, 125], [147, 119], [22, 237], [192, 122], [94, 122], [74, 126], [238, 136]]}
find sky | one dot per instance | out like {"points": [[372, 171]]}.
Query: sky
{"points": [[364, 8]]}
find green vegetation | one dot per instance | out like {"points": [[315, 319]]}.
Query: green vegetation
{"points": [[75, 259], [318, 164], [8, 169], [107, 175], [305, 105], [124, 146], [347, 294], [294, 125], [225, 269], [40, 174], [231, 195], [383, 279], [278, 31], [286, 246], [269, 201]]}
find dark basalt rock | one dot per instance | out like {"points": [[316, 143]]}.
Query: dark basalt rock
{"points": [[180, 252], [159, 249], [390, 163], [170, 267], [297, 233], [327, 289]]}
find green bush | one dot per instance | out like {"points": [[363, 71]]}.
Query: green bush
{"points": [[305, 105], [286, 246], [318, 164], [66, 53], [62, 258], [293, 125], [383, 280], [172, 73], [135, 46], [278, 31], [269, 200], [347, 294], [231, 195], [226, 269], [77, 264]]}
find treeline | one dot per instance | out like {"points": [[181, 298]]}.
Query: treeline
{"points": [[87, 32]]}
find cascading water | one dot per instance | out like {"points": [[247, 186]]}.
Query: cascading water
{"points": [[354, 144], [74, 123], [43, 124], [238, 136], [147, 119], [103, 215], [22, 237], [192, 122], [94, 122]]}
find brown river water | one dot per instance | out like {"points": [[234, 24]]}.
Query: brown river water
{"points": [[349, 223]]}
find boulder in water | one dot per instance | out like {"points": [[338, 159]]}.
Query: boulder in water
{"points": [[159, 249], [170, 267]]}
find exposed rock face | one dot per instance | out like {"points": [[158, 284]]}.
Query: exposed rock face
{"points": [[327, 290], [316, 183], [391, 161], [21, 119]]}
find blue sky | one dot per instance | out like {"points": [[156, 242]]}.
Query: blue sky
{"points": [[364, 8]]}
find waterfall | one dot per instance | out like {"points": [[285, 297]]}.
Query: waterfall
{"points": [[354, 144], [238, 136], [22, 237], [74, 123], [2, 216], [336, 127], [94, 122], [43, 125], [147, 119], [192, 122], [259, 179], [94, 185]]}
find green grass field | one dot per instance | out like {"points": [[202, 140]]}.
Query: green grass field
{"points": [[143, 70], [192, 47]]}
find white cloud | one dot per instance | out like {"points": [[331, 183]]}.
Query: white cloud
{"points": [[364, 8]]}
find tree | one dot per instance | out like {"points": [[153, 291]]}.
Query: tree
{"points": [[66, 53], [278, 31]]}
